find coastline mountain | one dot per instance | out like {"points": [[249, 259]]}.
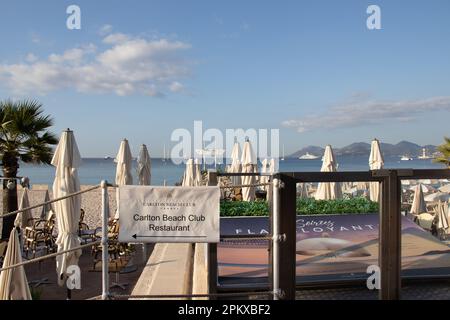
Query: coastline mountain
{"points": [[363, 149]]}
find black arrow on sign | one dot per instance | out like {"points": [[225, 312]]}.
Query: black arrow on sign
{"points": [[135, 236]]}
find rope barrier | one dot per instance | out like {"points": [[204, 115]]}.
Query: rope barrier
{"points": [[50, 255], [50, 202]]}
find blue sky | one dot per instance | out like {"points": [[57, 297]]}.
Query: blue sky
{"points": [[310, 68]]}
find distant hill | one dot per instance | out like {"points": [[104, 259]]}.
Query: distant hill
{"points": [[363, 149]]}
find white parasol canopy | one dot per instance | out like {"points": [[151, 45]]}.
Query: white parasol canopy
{"points": [[437, 196], [425, 188], [265, 166], [235, 166], [445, 188], [376, 162], [249, 165], [13, 282], [189, 174], [272, 166], [198, 180], [328, 190], [443, 218], [144, 166], [124, 164], [418, 206], [67, 160], [47, 209], [24, 219]]}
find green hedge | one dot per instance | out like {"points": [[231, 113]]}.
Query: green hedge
{"points": [[304, 207]]}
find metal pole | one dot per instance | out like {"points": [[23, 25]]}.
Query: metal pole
{"points": [[105, 257], [275, 243], [211, 251]]}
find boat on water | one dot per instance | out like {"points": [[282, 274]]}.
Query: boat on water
{"points": [[406, 158], [107, 158], [424, 155], [308, 156]]}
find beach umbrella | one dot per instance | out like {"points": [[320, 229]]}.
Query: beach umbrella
{"points": [[272, 166], [418, 205], [47, 208], [376, 162], [235, 166], [443, 218], [445, 188], [425, 188], [67, 160], [144, 166], [328, 190], [123, 169], [25, 218], [437, 196], [124, 164], [189, 174], [249, 165], [265, 166], [13, 282], [198, 179]]}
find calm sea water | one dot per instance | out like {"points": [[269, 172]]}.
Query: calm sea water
{"points": [[94, 170]]}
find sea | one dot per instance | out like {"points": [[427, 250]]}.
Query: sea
{"points": [[94, 170]]}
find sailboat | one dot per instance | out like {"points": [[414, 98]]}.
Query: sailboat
{"points": [[282, 156]]}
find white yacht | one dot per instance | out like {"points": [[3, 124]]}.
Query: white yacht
{"points": [[308, 156], [406, 158]]}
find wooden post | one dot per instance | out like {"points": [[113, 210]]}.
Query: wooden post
{"points": [[390, 236], [286, 258]]}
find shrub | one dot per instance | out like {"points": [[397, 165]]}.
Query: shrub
{"points": [[303, 207]]}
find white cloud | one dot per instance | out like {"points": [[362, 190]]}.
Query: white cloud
{"points": [[105, 29], [354, 113], [176, 87], [31, 57], [116, 38], [129, 65]]}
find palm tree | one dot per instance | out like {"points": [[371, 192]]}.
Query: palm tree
{"points": [[444, 149], [24, 136]]}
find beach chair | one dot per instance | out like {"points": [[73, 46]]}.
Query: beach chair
{"points": [[85, 233], [40, 236], [117, 252]]}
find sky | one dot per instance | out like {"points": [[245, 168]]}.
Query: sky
{"points": [[312, 69]]}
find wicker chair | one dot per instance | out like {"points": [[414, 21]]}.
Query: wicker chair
{"points": [[40, 235]]}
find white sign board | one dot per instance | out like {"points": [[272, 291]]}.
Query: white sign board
{"points": [[169, 214]]}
